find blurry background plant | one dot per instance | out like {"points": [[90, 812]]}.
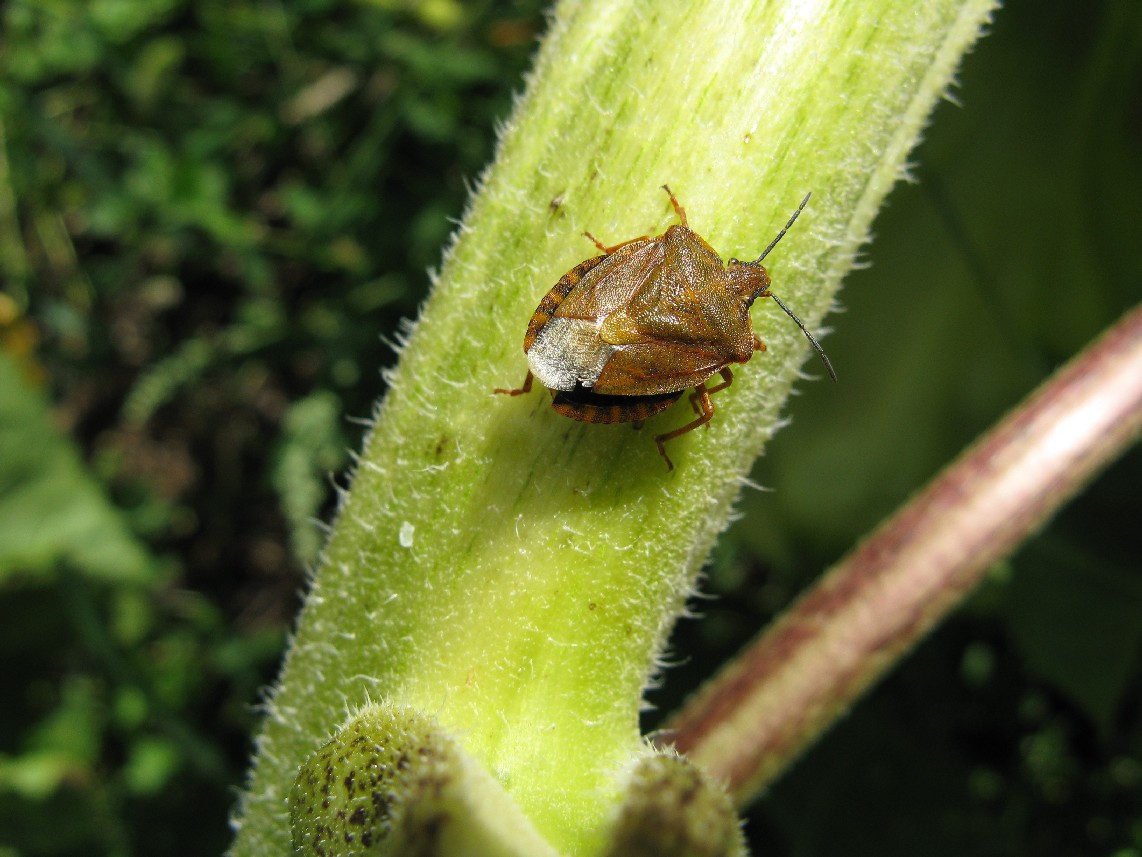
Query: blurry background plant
{"points": [[213, 215]]}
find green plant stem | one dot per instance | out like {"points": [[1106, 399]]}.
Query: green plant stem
{"points": [[510, 572], [760, 711]]}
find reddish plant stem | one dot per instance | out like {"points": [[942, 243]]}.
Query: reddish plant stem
{"points": [[762, 709]]}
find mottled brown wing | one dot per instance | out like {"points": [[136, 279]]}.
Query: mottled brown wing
{"points": [[655, 368], [563, 346], [608, 285], [555, 298]]}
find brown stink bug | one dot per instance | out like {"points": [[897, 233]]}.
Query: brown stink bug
{"points": [[622, 336]]}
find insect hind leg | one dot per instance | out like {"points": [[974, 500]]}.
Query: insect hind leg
{"points": [[707, 407], [727, 379], [524, 388]]}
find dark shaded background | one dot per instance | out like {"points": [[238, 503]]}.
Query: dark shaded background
{"points": [[212, 213]]}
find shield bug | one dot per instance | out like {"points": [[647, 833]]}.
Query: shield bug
{"points": [[623, 335]]}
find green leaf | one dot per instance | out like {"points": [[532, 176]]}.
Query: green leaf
{"points": [[309, 450], [51, 509]]}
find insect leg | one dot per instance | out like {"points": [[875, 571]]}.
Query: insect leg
{"points": [[707, 411], [727, 379], [678, 209], [610, 250], [523, 388]]}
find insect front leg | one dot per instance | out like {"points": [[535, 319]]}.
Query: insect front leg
{"points": [[523, 388], [727, 379], [610, 250], [703, 396], [678, 209]]}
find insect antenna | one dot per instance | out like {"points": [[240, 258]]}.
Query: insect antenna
{"points": [[812, 339], [781, 235]]}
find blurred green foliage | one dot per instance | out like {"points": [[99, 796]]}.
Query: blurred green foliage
{"points": [[213, 212]]}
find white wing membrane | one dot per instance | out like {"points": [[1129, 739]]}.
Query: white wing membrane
{"points": [[568, 352]]}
